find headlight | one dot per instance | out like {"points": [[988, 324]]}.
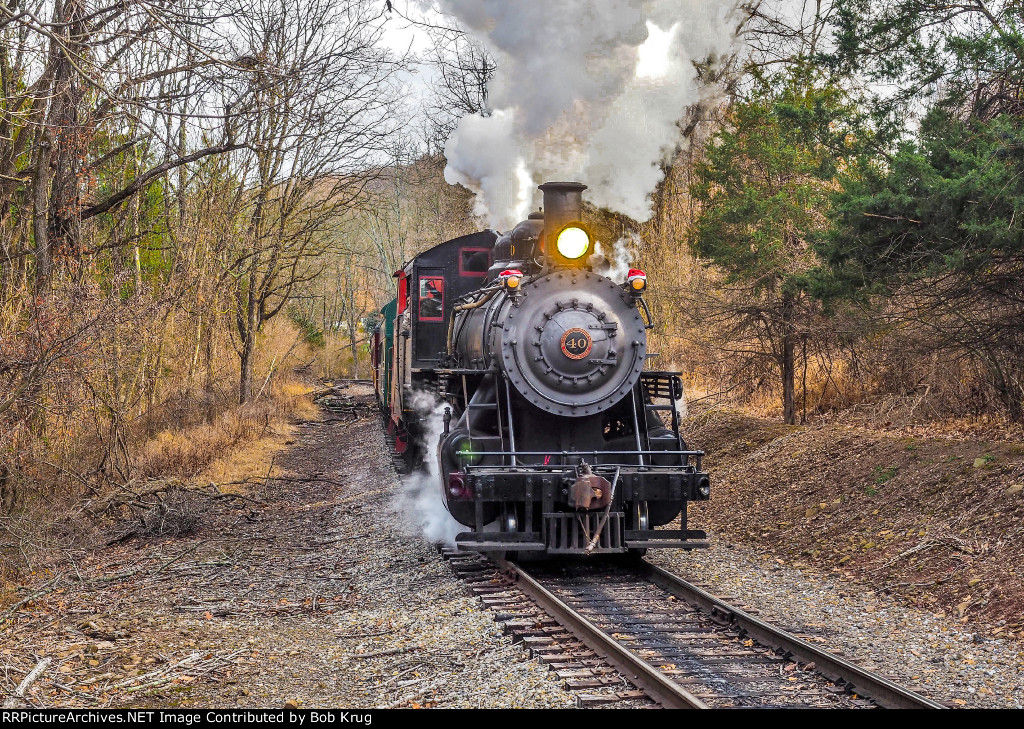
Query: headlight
{"points": [[573, 242]]}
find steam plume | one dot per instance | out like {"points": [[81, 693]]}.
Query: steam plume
{"points": [[615, 263], [419, 500], [585, 89]]}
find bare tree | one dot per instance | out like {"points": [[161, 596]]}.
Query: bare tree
{"points": [[170, 172], [779, 32], [321, 88], [462, 68], [74, 76]]}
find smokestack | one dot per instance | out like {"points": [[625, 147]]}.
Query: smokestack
{"points": [[563, 203]]}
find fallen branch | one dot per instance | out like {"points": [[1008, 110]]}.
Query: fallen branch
{"points": [[160, 672], [23, 687], [127, 497], [346, 636], [197, 665], [77, 694], [389, 652], [167, 564], [45, 590], [954, 543], [398, 677], [150, 685], [117, 576]]}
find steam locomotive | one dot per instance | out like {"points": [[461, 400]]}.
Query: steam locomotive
{"points": [[554, 437]]}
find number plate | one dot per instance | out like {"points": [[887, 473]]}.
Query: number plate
{"points": [[576, 343]]}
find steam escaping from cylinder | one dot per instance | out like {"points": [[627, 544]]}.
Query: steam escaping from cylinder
{"points": [[586, 90], [680, 405], [419, 500]]}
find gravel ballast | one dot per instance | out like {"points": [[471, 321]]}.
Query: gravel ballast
{"points": [[411, 635], [917, 648], [307, 592]]}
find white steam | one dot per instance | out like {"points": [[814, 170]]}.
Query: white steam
{"points": [[587, 90], [419, 501], [681, 409], [615, 264]]}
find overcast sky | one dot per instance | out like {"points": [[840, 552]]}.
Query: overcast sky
{"points": [[404, 36]]}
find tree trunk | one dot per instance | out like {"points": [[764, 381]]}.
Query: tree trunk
{"points": [[209, 385], [355, 352], [136, 226], [1009, 391], [68, 135], [40, 185], [1015, 408], [803, 381], [245, 380], [788, 360], [247, 329], [8, 494]]}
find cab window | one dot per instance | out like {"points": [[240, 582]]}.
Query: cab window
{"points": [[431, 299], [474, 261]]}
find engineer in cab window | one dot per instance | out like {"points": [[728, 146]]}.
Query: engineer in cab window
{"points": [[431, 302]]}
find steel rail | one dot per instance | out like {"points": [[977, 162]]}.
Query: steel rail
{"points": [[870, 685], [669, 694], [646, 677]]}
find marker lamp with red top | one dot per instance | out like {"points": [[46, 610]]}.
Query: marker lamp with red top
{"points": [[511, 278], [636, 280]]}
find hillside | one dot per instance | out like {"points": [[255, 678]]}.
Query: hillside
{"points": [[934, 520]]}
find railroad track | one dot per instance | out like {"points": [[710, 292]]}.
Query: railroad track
{"points": [[673, 641]]}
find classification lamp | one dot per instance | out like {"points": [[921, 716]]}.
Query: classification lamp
{"points": [[462, 449], [636, 280], [511, 278]]}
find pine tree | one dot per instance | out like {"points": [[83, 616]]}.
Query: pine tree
{"points": [[940, 223], [764, 189]]}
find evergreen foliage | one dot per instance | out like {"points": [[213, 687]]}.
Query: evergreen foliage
{"points": [[764, 190], [931, 52], [947, 203], [940, 225]]}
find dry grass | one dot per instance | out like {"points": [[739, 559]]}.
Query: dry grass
{"points": [[186, 437], [940, 399], [255, 458], [235, 445], [240, 441], [334, 361], [241, 445]]}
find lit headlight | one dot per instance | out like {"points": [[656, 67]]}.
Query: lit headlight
{"points": [[573, 242]]}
